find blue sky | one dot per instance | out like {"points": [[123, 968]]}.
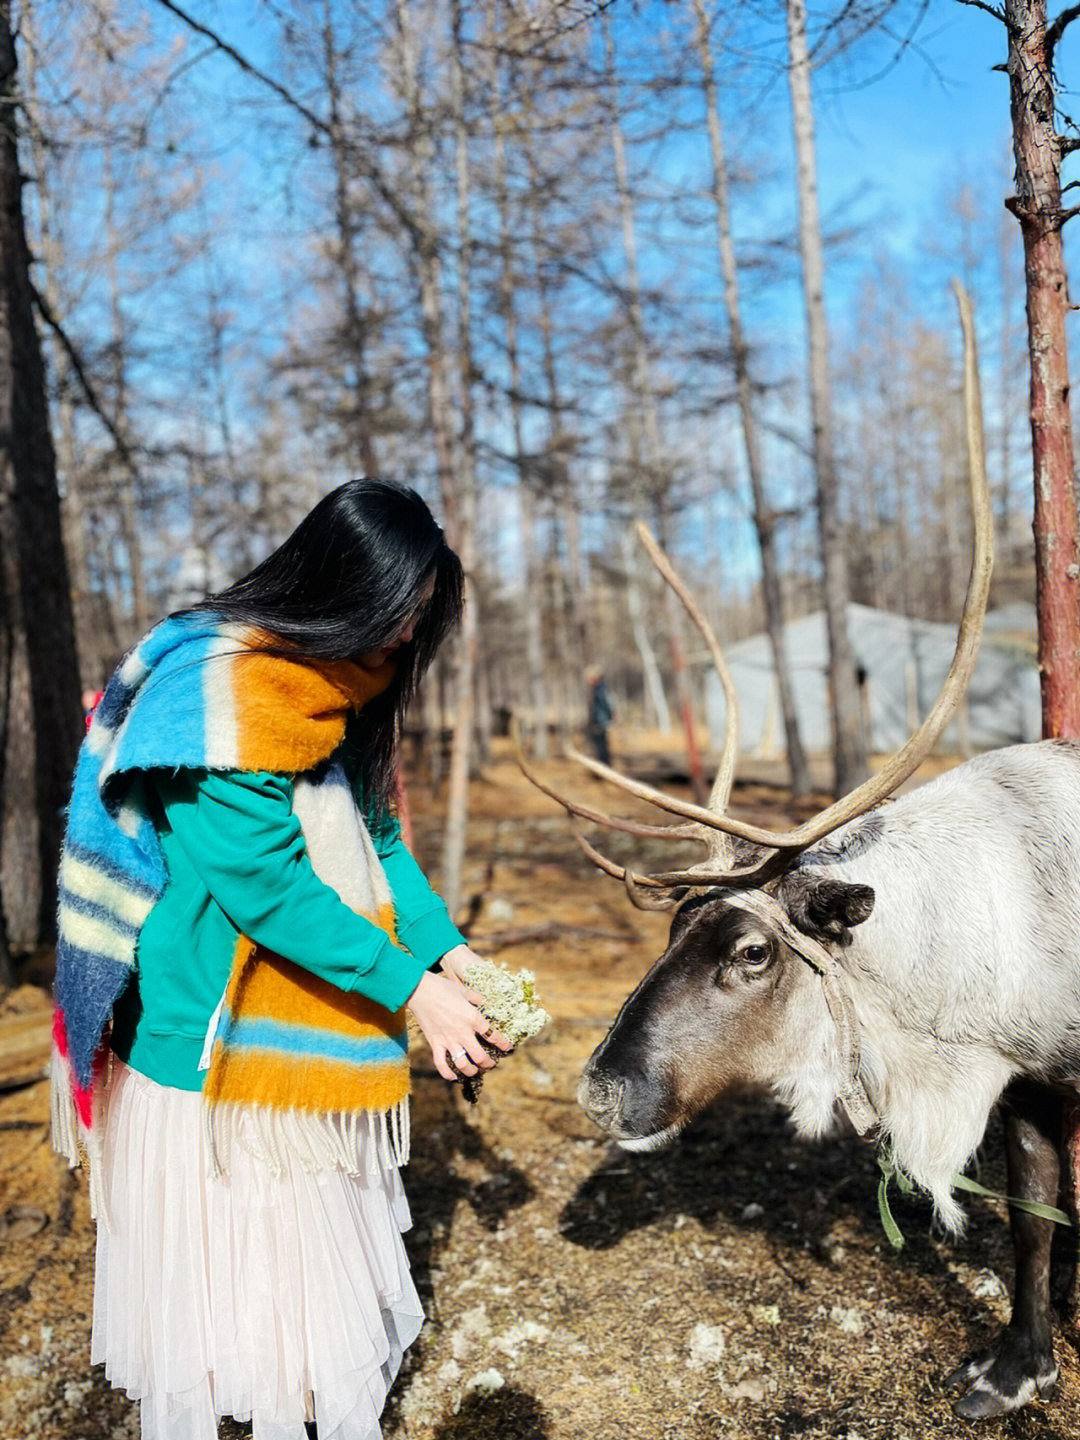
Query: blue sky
{"points": [[942, 108], [897, 136], [888, 151]]}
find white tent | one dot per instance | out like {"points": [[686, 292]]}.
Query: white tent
{"points": [[902, 665]]}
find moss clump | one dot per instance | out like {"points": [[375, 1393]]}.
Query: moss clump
{"points": [[509, 1002], [509, 999]]}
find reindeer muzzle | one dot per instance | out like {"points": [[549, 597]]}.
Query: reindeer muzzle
{"points": [[601, 1096]]}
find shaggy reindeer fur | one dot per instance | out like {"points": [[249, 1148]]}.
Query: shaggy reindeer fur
{"points": [[966, 972]]}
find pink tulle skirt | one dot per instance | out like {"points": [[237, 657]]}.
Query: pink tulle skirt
{"points": [[274, 1297]]}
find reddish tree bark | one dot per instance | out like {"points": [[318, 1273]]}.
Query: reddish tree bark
{"points": [[1038, 151]]}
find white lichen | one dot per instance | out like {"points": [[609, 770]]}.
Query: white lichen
{"points": [[487, 1382], [526, 1332], [509, 999], [708, 1345], [849, 1321]]}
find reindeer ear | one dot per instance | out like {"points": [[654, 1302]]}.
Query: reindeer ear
{"points": [[826, 909]]}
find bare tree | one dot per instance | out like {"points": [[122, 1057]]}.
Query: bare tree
{"points": [[124, 478], [1038, 150], [457, 800], [90, 641], [526, 478], [39, 687], [849, 747], [764, 517], [355, 340], [651, 483], [554, 471], [594, 378]]}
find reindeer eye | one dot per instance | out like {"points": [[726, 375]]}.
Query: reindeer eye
{"points": [[755, 955]]}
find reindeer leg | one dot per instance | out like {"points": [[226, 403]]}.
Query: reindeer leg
{"points": [[1071, 1186], [1021, 1365]]}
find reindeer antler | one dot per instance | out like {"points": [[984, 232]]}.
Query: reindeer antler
{"points": [[785, 846]]}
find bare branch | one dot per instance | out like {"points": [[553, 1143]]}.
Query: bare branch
{"points": [[75, 361], [993, 10], [868, 19], [1057, 27], [245, 65], [416, 230]]}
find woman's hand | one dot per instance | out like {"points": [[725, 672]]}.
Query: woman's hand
{"points": [[449, 1014], [455, 962]]}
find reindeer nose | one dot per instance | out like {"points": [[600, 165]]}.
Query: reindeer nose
{"points": [[600, 1096]]}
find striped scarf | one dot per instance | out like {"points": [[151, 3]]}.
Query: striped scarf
{"points": [[294, 1062]]}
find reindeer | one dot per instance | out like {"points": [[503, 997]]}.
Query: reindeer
{"points": [[913, 963]]}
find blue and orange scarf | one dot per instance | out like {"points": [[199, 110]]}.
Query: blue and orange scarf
{"points": [[303, 1062]]}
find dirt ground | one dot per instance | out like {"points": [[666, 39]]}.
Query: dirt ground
{"points": [[737, 1285]]}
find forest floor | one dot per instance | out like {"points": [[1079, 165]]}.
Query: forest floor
{"points": [[737, 1285]]}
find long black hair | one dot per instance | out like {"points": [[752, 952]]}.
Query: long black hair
{"points": [[345, 583]]}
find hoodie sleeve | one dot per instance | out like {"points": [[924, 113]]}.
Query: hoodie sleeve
{"points": [[240, 834], [423, 921]]}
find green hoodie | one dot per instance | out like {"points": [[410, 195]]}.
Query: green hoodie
{"points": [[238, 864]]}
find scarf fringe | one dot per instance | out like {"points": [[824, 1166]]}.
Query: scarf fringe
{"points": [[79, 1146], [63, 1119], [366, 1143]]}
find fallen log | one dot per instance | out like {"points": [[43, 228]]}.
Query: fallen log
{"points": [[25, 1041]]}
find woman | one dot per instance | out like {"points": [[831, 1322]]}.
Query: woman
{"points": [[241, 930]]}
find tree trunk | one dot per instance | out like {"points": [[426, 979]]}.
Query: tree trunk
{"points": [[764, 522], [848, 748], [536, 678], [456, 515], [40, 720], [125, 478], [91, 644], [654, 686], [559, 469], [358, 381], [457, 800], [532, 611], [1037, 149], [644, 402], [570, 519]]}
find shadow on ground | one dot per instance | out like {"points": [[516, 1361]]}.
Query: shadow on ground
{"points": [[506, 1414]]}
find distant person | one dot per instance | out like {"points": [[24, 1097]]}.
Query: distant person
{"points": [[241, 933], [601, 714]]}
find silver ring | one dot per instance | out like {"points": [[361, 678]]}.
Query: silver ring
{"points": [[457, 1054]]}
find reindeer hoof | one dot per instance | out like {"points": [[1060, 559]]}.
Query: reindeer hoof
{"points": [[1004, 1379]]}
